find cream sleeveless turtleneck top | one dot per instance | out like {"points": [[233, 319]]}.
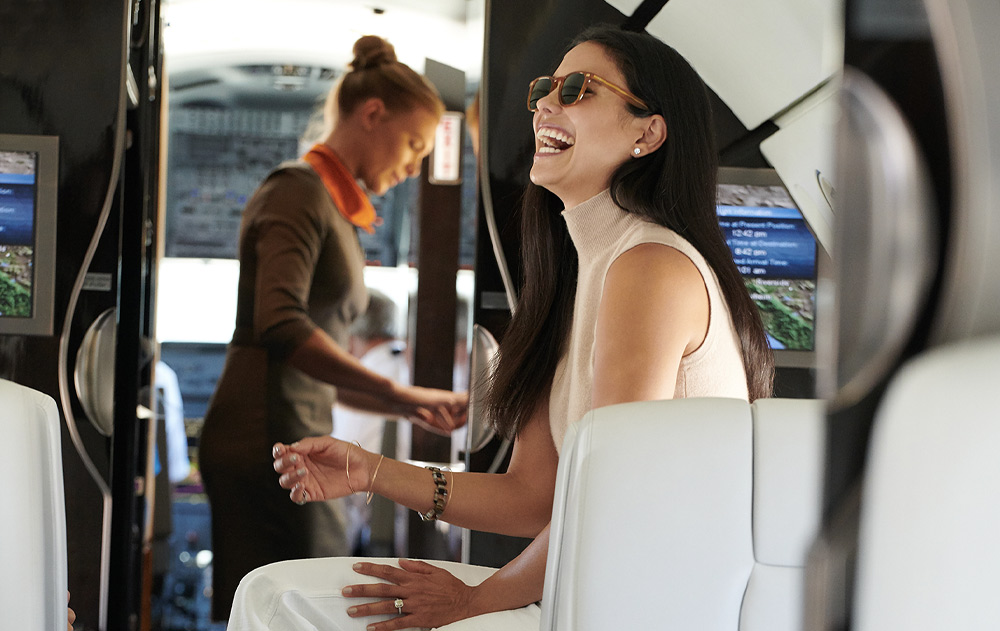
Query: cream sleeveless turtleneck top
{"points": [[601, 231]]}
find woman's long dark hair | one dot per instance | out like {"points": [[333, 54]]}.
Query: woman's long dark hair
{"points": [[674, 186]]}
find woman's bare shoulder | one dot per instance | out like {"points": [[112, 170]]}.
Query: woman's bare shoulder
{"points": [[646, 265]]}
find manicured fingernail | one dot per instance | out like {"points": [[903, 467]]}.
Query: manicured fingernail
{"points": [[277, 451], [370, 627], [300, 472], [293, 459], [352, 611], [356, 566], [347, 592]]}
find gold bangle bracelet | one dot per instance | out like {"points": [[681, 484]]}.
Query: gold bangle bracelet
{"points": [[371, 492], [348, 466], [451, 493]]}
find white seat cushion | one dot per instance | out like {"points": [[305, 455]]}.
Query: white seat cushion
{"points": [[685, 514], [789, 453], [652, 519], [33, 531], [929, 540]]}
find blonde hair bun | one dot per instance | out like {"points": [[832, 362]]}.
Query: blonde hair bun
{"points": [[377, 73], [371, 51]]}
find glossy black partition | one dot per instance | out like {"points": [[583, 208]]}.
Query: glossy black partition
{"points": [[63, 73]]}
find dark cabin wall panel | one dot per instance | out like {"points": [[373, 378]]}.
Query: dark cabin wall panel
{"points": [[60, 68]]}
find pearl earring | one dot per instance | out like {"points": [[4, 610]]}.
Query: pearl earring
{"points": [[637, 151]]}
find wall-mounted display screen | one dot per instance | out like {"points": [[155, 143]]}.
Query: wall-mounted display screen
{"points": [[776, 253], [28, 183]]}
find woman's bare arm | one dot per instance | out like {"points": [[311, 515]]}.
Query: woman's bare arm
{"points": [[654, 310], [518, 502]]}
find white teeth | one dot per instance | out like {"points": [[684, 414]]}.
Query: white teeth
{"points": [[553, 140]]}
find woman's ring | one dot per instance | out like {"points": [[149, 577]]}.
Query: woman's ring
{"points": [[398, 605]]}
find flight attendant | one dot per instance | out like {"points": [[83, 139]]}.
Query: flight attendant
{"points": [[301, 285]]}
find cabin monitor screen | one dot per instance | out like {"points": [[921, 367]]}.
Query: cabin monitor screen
{"points": [[28, 182], [775, 252]]}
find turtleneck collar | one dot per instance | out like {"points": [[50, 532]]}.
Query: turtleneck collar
{"points": [[596, 224]]}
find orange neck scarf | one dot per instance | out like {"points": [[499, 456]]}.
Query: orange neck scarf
{"points": [[350, 200]]}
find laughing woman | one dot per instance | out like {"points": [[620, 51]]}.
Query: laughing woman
{"points": [[630, 294]]}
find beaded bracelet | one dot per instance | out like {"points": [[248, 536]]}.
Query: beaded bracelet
{"points": [[440, 495]]}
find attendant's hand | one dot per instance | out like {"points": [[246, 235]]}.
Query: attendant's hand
{"points": [[71, 614], [438, 411], [317, 468], [431, 597]]}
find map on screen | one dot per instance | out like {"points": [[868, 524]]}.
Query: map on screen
{"points": [[776, 253]]}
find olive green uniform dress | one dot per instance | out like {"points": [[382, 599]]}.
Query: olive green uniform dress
{"points": [[301, 267]]}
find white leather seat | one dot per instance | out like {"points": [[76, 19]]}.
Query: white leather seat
{"points": [[33, 528], [685, 514], [929, 539]]}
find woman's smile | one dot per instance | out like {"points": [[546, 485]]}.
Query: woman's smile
{"points": [[552, 140]]}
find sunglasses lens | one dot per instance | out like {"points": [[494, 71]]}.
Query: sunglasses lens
{"points": [[540, 88], [572, 88]]}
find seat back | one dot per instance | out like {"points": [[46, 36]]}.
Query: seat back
{"points": [[928, 545], [687, 514], [33, 530]]}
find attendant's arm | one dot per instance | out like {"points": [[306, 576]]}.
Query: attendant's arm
{"points": [[320, 357], [291, 231], [290, 238]]}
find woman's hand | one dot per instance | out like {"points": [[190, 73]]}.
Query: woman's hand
{"points": [[317, 468], [438, 411], [71, 615], [431, 597]]}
